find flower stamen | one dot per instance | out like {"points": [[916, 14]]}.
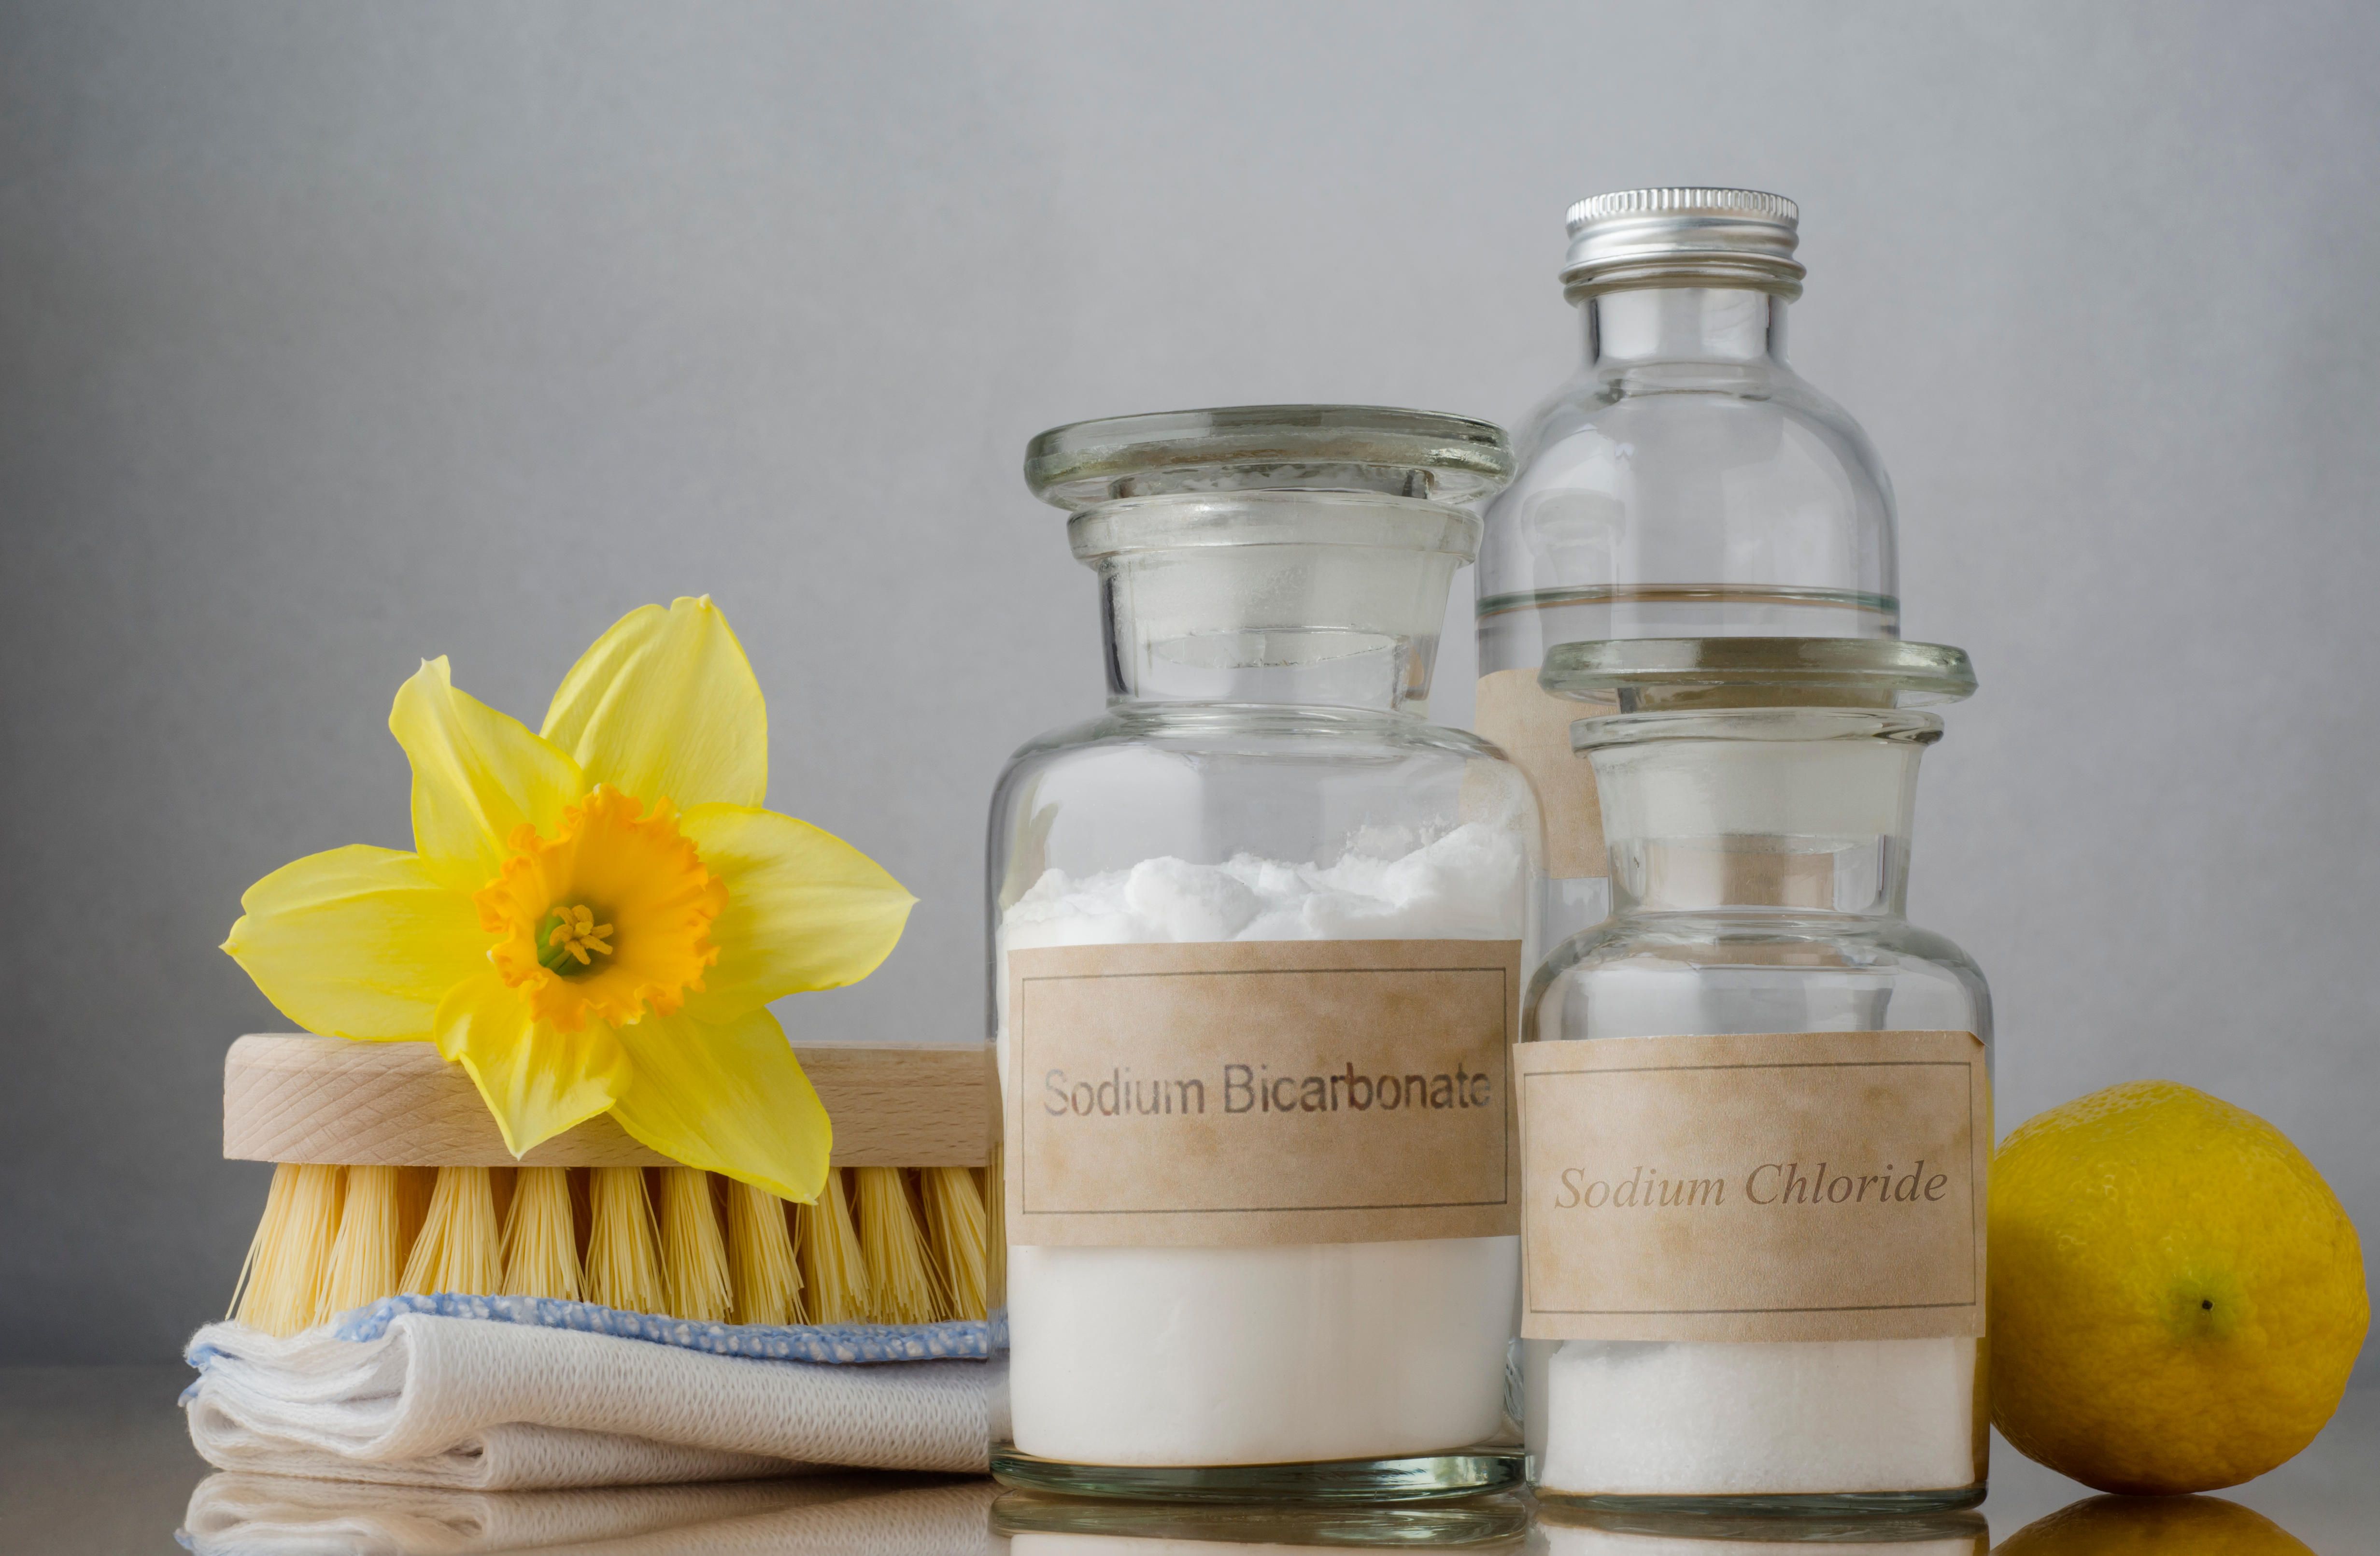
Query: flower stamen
{"points": [[613, 849], [572, 933]]}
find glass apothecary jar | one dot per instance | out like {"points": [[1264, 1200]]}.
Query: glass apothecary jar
{"points": [[1755, 1102], [1686, 481], [1258, 933]]}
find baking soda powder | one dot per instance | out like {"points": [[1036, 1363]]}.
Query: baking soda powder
{"points": [[1296, 1352]]}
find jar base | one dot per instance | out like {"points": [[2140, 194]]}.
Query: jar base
{"points": [[1814, 1504], [1487, 1519], [1410, 1478]]}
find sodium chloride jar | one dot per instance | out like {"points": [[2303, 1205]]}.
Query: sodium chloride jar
{"points": [[1755, 1102], [1258, 932], [1685, 482]]}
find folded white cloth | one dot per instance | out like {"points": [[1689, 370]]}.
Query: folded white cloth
{"points": [[269, 1516], [464, 1403]]}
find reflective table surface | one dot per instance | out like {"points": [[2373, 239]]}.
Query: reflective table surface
{"points": [[94, 1460]]}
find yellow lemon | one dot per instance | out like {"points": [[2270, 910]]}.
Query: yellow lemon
{"points": [[2177, 1297], [2167, 1526]]}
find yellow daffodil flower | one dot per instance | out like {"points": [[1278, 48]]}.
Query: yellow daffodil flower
{"points": [[595, 917]]}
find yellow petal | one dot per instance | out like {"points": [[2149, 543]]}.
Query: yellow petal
{"points": [[536, 1080], [729, 1098], [805, 910], [477, 775], [358, 942], [665, 706]]}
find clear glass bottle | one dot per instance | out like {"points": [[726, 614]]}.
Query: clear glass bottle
{"points": [[1257, 930], [1756, 1102], [1686, 481]]}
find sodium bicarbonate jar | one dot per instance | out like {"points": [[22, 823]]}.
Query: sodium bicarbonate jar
{"points": [[1755, 1102], [1258, 932]]}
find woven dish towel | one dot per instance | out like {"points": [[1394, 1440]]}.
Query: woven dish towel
{"points": [[468, 1404], [267, 1515]]}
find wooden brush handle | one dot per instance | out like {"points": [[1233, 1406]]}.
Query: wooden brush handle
{"points": [[302, 1099]]}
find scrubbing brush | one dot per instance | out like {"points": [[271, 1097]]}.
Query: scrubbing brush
{"points": [[391, 1177]]}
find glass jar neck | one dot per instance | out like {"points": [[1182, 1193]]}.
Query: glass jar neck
{"points": [[1684, 325], [1272, 625], [1772, 824], [1308, 598]]}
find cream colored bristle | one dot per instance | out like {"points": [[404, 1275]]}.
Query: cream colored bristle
{"points": [[500, 1193], [622, 1266], [281, 1283], [995, 1233], [458, 1249], [582, 1210], [413, 1186], [763, 1276], [902, 1283], [834, 1281], [368, 1256], [954, 1230], [542, 1236], [694, 1254]]}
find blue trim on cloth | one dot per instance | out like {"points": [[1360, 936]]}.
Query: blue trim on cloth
{"points": [[960, 1339]]}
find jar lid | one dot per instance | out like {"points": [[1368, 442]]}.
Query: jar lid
{"points": [[1358, 448], [1650, 673], [1683, 236]]}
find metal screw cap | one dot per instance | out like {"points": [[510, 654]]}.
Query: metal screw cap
{"points": [[1683, 238]]}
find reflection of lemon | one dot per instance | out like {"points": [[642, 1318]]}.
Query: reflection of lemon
{"points": [[2175, 1295], [2168, 1527]]}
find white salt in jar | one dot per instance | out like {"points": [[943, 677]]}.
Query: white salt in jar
{"points": [[1258, 933], [1755, 1102]]}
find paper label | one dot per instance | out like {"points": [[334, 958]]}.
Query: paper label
{"points": [[1808, 1186], [1241, 1094], [1532, 726]]}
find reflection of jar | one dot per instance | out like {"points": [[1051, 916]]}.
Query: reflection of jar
{"points": [[1560, 1531], [1685, 482], [1023, 1523], [1755, 1102], [1258, 936]]}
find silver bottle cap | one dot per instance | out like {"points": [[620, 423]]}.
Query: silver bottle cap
{"points": [[1683, 238]]}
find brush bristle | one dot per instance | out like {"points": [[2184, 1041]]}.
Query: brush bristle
{"points": [[281, 1281], [762, 1275], [902, 1285], [542, 1236], [955, 1232], [925, 1244], [459, 1249], [368, 1258], [622, 1265], [833, 1279], [995, 1233], [694, 1256], [582, 1209], [500, 1195], [415, 1185]]}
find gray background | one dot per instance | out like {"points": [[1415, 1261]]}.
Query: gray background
{"points": [[332, 336]]}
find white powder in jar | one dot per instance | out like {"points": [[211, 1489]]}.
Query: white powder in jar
{"points": [[1678, 1418], [1190, 1356]]}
